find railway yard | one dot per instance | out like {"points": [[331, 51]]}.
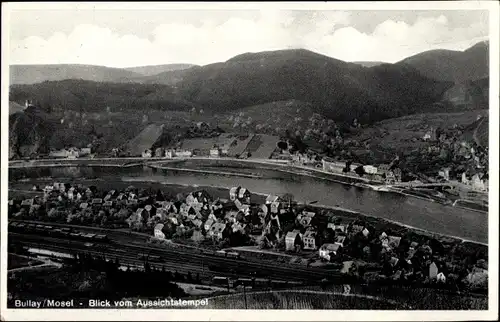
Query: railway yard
{"points": [[133, 250]]}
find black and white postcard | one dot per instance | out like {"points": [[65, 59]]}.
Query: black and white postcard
{"points": [[250, 161]]}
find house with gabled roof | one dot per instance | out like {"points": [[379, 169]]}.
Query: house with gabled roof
{"points": [[27, 202], [356, 229], [216, 230], [393, 261], [233, 193], [336, 228], [173, 219], [71, 193], [309, 239], [244, 195], [305, 218], [275, 207], [208, 224], [197, 223], [230, 216], [96, 201], [391, 242], [140, 212], [132, 202], [271, 198], [161, 214]]}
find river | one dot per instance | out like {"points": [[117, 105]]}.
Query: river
{"points": [[407, 210]]}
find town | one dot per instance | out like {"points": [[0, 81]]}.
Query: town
{"points": [[276, 229]]}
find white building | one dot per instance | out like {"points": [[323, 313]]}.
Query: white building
{"points": [[59, 154], [292, 238], [215, 153], [445, 173], [478, 184], [183, 153], [369, 169], [147, 154]]}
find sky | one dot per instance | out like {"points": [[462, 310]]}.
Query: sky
{"points": [[127, 38]]}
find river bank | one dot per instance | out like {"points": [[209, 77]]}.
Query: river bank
{"points": [[224, 163], [412, 212], [22, 189], [304, 171]]}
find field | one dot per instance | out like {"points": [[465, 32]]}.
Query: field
{"points": [[240, 146], [298, 300], [419, 298], [144, 140], [262, 146], [384, 298]]}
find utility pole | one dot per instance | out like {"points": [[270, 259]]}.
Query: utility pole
{"points": [[245, 294]]}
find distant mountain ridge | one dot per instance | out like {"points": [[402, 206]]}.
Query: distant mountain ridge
{"points": [[89, 96], [157, 69], [335, 88], [441, 65], [450, 65], [170, 78], [369, 63], [32, 74]]}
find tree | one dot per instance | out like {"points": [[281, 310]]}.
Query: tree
{"points": [[360, 171], [197, 236], [282, 145], [328, 235], [347, 167], [288, 198], [147, 267], [159, 196], [224, 243], [263, 242]]}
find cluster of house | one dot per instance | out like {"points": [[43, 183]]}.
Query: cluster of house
{"points": [[471, 171], [208, 218], [197, 211], [382, 173], [466, 154], [71, 153], [167, 153], [477, 182], [297, 240]]}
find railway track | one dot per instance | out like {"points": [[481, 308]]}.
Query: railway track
{"points": [[187, 261]]}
